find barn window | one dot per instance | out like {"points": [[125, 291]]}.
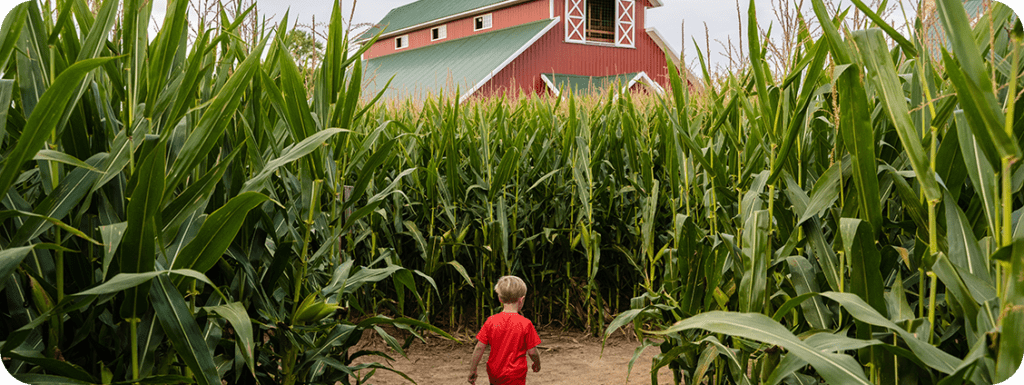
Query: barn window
{"points": [[439, 33], [601, 21], [482, 22], [401, 41]]}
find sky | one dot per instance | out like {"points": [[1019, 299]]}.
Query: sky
{"points": [[719, 17]]}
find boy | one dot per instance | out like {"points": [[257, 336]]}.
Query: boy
{"points": [[510, 336]]}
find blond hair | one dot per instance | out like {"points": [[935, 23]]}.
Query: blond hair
{"points": [[510, 288]]}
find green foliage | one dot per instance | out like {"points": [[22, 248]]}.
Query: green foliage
{"points": [[303, 46], [850, 221], [890, 255], [204, 181]]}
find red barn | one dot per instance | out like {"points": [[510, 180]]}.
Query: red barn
{"points": [[479, 48]]}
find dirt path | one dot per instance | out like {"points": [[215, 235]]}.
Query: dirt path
{"points": [[566, 358]]}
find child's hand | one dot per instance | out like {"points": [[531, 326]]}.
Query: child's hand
{"points": [[472, 376], [536, 366]]}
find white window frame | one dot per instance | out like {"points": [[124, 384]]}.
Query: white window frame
{"points": [[625, 24], [625, 27], [487, 22], [403, 39], [442, 32], [575, 21]]}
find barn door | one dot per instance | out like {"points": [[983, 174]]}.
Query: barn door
{"points": [[625, 23], [575, 21]]}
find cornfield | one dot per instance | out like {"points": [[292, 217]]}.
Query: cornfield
{"points": [[183, 209]]}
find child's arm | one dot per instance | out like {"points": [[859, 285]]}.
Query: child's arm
{"points": [[478, 353], [535, 357]]}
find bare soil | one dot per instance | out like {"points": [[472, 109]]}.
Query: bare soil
{"points": [[566, 358]]}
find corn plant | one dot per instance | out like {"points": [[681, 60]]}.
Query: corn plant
{"points": [[175, 208], [863, 204], [851, 220]]}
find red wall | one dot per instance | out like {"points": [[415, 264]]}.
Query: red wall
{"points": [[503, 18], [551, 54]]}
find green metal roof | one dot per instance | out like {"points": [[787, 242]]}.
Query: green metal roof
{"points": [[460, 63], [424, 11], [579, 83]]}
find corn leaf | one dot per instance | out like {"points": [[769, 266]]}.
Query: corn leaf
{"points": [[972, 81], [1011, 343], [183, 332], [11, 31], [901, 40], [979, 169], [755, 262], [930, 355], [41, 124], [964, 250], [214, 121], [817, 315], [137, 253], [59, 203], [10, 259], [834, 368], [878, 61], [865, 271], [235, 314], [125, 281], [824, 194], [290, 154], [217, 233]]}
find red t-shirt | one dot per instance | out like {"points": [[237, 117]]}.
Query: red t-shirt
{"points": [[510, 335]]}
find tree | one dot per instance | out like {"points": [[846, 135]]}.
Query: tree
{"points": [[304, 47]]}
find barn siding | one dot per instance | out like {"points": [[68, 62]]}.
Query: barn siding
{"points": [[518, 14], [551, 54]]}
